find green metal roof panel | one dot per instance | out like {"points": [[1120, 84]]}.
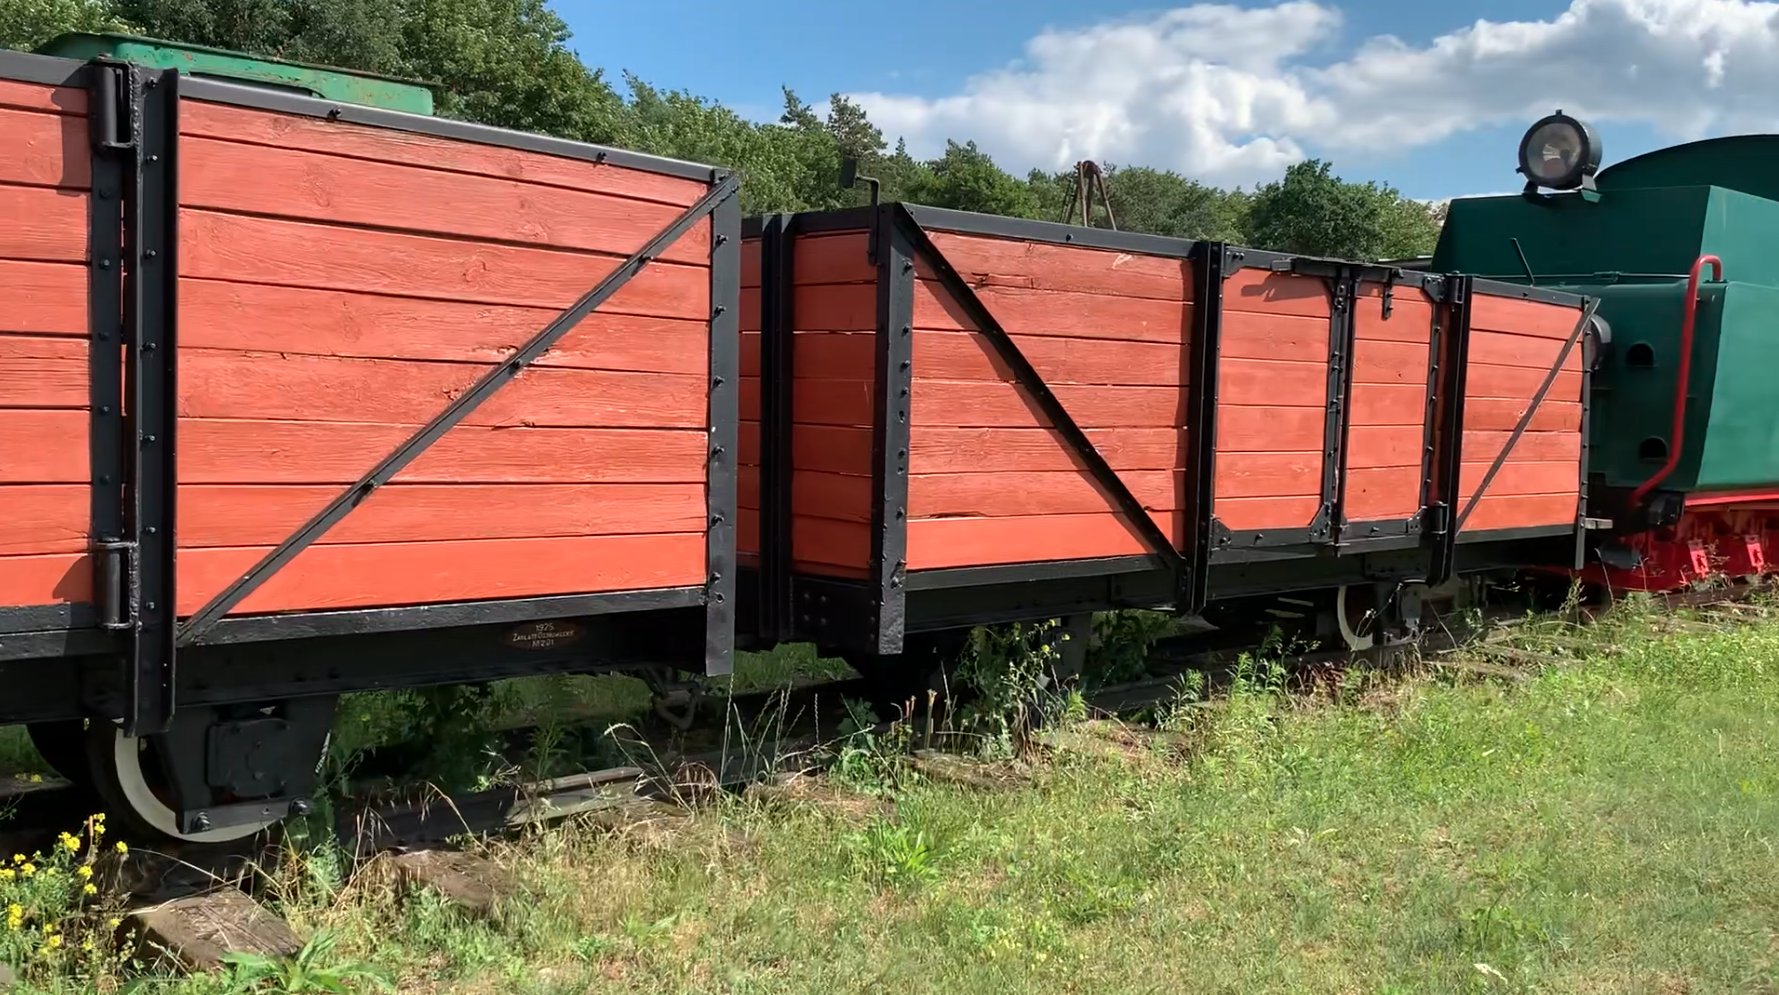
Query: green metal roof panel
{"points": [[1632, 233], [324, 82], [1740, 162]]}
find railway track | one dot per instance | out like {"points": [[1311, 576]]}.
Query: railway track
{"points": [[196, 903]]}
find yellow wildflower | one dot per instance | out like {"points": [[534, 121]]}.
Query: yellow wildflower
{"points": [[122, 847], [36, 778], [18, 858], [71, 842], [7, 874], [29, 869], [84, 871], [89, 888], [114, 922], [52, 941]]}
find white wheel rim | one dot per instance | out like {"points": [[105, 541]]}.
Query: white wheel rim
{"points": [[127, 760], [1355, 642]]}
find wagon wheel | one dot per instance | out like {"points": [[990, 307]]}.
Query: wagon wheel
{"points": [[128, 775], [1356, 613]]}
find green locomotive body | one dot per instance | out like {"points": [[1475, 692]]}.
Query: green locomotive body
{"points": [[1681, 248], [1633, 246]]}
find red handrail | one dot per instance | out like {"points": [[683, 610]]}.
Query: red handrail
{"points": [[1686, 368]]}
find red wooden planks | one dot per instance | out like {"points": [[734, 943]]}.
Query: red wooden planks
{"points": [[45, 149], [43, 224], [42, 371], [43, 298], [280, 182], [357, 576], [20, 95], [990, 261], [45, 176], [269, 452], [44, 518], [261, 515], [275, 386], [382, 145], [1513, 345], [221, 314], [303, 254], [938, 543]]}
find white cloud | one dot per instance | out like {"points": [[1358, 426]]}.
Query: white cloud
{"points": [[1233, 95]]}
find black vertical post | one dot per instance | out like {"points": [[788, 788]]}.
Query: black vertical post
{"points": [[1430, 410], [1449, 454], [106, 92], [1343, 303], [1209, 268], [724, 412], [150, 368], [1589, 355], [777, 375], [894, 252]]}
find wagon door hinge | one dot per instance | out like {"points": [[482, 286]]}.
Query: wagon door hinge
{"points": [[116, 124], [118, 591], [1438, 520]]}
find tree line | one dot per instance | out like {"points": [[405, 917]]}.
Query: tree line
{"points": [[508, 63]]}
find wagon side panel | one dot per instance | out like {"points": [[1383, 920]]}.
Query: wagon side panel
{"points": [[340, 284], [991, 481], [1272, 400], [748, 463], [1387, 443], [835, 327], [46, 317], [1513, 347]]}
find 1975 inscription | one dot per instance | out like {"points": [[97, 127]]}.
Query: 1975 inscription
{"points": [[543, 635]]}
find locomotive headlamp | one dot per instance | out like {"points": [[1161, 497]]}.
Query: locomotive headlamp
{"points": [[1560, 153]]}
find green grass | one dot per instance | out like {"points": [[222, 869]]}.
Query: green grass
{"points": [[1606, 825]]}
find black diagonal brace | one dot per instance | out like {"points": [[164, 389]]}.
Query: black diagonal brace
{"points": [[453, 413], [1040, 392], [1550, 379]]}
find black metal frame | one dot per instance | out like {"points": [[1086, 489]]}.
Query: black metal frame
{"points": [[133, 120], [1448, 533], [1330, 531], [777, 367], [873, 616]]}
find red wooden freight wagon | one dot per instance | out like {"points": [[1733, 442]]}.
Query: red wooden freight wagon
{"points": [[951, 418], [299, 398]]}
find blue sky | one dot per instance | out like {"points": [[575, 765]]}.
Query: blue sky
{"points": [[922, 51]]}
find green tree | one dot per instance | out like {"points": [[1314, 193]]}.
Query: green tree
{"points": [[508, 63], [1314, 212], [966, 179], [26, 24]]}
